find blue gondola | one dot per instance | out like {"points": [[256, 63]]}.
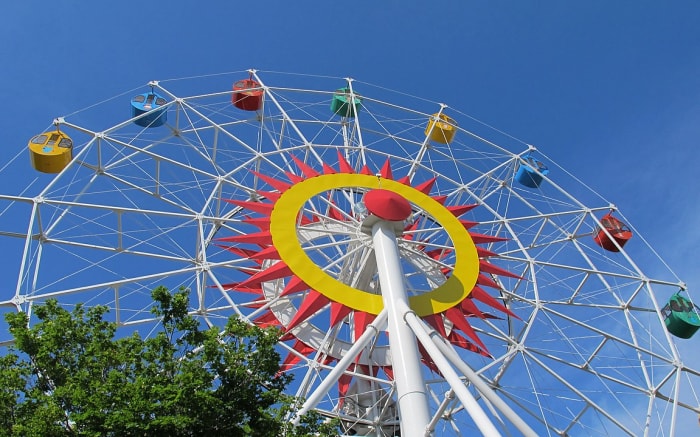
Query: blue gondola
{"points": [[528, 175], [146, 102], [681, 317]]}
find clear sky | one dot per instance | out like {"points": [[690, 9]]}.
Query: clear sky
{"points": [[609, 90]]}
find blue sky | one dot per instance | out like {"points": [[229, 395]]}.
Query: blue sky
{"points": [[608, 90]]}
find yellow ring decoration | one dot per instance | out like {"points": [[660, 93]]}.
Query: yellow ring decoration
{"points": [[284, 236]]}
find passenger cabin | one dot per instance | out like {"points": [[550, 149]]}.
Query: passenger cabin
{"points": [[345, 103], [149, 102], [247, 95], [681, 316], [441, 128], [616, 232], [50, 152], [531, 173]]}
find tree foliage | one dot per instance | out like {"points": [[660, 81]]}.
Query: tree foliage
{"points": [[68, 374]]}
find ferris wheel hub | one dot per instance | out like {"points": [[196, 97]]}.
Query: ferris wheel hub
{"points": [[387, 205]]}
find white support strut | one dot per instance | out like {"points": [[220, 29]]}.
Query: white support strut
{"points": [[470, 404], [410, 387], [343, 364]]}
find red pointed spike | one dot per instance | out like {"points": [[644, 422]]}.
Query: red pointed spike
{"points": [[425, 358], [479, 294], [470, 308], [236, 286], [483, 253], [462, 342], [289, 362], [270, 195], [313, 302], [440, 199], [257, 303], [276, 271], [458, 340], [287, 336], [438, 254], [366, 170], [457, 317], [267, 320], [468, 224], [269, 252], [486, 281], [302, 348], [426, 186], [338, 312], [294, 178], [481, 238], [389, 372], [327, 169], [334, 212], [487, 267], [362, 319], [386, 170], [408, 231], [435, 320], [294, 358], [259, 207], [277, 184], [305, 220], [405, 180], [343, 164], [366, 370], [262, 238], [294, 285], [343, 385], [262, 223], [458, 210], [243, 253], [308, 171]]}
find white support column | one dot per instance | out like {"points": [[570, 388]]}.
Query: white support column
{"points": [[410, 387]]}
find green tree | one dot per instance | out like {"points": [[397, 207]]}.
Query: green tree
{"points": [[68, 375]]}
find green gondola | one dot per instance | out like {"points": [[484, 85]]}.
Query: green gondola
{"points": [[681, 316], [345, 102]]}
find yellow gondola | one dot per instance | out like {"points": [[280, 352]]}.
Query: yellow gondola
{"points": [[441, 128], [50, 152]]}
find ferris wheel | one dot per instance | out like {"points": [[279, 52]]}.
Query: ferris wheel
{"points": [[431, 275]]}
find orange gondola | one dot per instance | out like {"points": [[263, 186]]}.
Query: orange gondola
{"points": [[613, 231]]}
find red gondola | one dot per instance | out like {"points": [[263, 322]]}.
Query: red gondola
{"points": [[247, 95], [616, 232]]}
